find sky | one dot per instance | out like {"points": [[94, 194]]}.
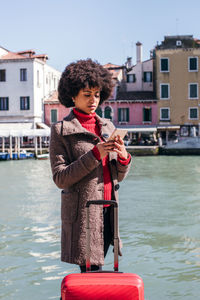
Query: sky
{"points": [[104, 30]]}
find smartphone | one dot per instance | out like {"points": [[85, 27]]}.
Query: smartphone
{"points": [[118, 131]]}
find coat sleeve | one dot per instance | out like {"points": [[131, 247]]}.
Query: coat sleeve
{"points": [[122, 170], [65, 173]]}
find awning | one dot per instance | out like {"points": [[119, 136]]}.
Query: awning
{"points": [[140, 129], [15, 126], [25, 132], [168, 127], [22, 129]]}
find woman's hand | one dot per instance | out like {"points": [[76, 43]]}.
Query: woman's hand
{"points": [[105, 147], [120, 147]]}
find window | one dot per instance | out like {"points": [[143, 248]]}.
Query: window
{"points": [[4, 103], [164, 65], [131, 78], [123, 114], [23, 74], [147, 76], [164, 113], [2, 75], [54, 115], [164, 91], [99, 111], [193, 90], [108, 112], [193, 113], [24, 103], [147, 117], [193, 64]]}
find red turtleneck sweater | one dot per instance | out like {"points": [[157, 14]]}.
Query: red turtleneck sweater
{"points": [[89, 122]]}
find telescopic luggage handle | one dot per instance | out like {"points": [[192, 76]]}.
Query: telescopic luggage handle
{"points": [[116, 237]]}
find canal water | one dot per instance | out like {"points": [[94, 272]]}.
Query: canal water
{"points": [[159, 226]]}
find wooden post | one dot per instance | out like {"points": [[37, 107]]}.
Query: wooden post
{"points": [[40, 139], [18, 147], [11, 152], [36, 147], [167, 137], [15, 145], [3, 144]]}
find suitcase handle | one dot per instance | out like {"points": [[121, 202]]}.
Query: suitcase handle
{"points": [[116, 237]]}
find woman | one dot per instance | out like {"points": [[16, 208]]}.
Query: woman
{"points": [[85, 164]]}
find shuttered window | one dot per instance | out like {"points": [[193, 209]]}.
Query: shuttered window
{"points": [[194, 113], [193, 64], [99, 111], [108, 112], [130, 78], [2, 75], [164, 113], [193, 90], [24, 103], [123, 114], [147, 76], [164, 91], [147, 115], [23, 74], [4, 103], [164, 64], [54, 114]]}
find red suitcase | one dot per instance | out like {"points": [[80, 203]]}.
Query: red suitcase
{"points": [[103, 285]]}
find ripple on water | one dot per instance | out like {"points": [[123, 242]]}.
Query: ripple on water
{"points": [[159, 226]]}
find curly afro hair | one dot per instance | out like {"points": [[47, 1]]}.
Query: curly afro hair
{"points": [[81, 74]]}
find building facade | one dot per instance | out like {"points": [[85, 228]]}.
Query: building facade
{"points": [[54, 111], [25, 81], [178, 83], [134, 103]]}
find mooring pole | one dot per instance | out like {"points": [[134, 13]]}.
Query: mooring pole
{"points": [[11, 152]]}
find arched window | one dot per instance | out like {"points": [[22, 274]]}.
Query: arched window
{"points": [[108, 113], [99, 111]]}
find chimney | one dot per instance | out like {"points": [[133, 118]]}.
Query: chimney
{"points": [[129, 62], [138, 52]]}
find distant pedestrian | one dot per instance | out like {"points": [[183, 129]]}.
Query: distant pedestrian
{"points": [[85, 164], [160, 141]]}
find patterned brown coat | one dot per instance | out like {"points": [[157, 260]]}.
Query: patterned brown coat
{"points": [[80, 176]]}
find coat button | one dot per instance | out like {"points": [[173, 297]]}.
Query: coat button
{"points": [[116, 187]]}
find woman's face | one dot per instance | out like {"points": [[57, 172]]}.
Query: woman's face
{"points": [[87, 100]]}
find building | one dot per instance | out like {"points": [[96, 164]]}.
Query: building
{"points": [[177, 85], [107, 110], [25, 81], [53, 110], [133, 103]]}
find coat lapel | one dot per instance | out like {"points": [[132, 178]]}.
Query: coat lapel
{"points": [[71, 125]]}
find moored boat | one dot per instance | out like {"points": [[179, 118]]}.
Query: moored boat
{"points": [[4, 156], [43, 156]]}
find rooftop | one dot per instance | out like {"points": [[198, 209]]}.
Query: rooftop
{"points": [[136, 96], [179, 41], [26, 54], [115, 70], [53, 98]]}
